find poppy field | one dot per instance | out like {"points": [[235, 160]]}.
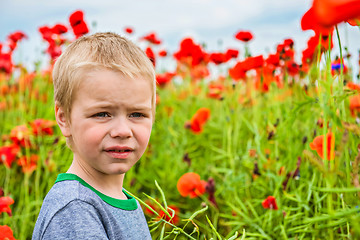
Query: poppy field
{"points": [[267, 148]]}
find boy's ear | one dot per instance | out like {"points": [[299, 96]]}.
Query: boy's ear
{"points": [[62, 121]]}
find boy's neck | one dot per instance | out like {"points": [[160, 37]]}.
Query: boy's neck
{"points": [[110, 185]]}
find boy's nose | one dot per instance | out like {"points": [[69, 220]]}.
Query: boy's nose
{"points": [[121, 129]]}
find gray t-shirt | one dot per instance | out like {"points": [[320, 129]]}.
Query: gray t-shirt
{"points": [[74, 210]]}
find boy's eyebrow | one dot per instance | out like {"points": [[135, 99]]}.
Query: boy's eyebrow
{"points": [[111, 106], [141, 107]]}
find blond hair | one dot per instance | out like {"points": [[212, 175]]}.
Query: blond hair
{"points": [[100, 50]]}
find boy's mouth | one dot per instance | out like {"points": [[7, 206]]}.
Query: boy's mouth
{"points": [[126, 150], [119, 149]]}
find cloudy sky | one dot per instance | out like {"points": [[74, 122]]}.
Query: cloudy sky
{"points": [[214, 22]]}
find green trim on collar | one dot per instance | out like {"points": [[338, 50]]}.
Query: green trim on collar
{"points": [[129, 204]]}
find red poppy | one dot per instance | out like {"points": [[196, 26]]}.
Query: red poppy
{"points": [[78, 24], [17, 36], [191, 51], [289, 42], [190, 185], [6, 233], [309, 21], [270, 203], [313, 44], [59, 29], [216, 90], [129, 30], [254, 62], [42, 127], [292, 68], [218, 58], [5, 203], [199, 119], [353, 86], [151, 55], [239, 70], [6, 64], [164, 78], [152, 38], [154, 208], [354, 104], [244, 36], [8, 154], [28, 164], [317, 144], [163, 53], [174, 211], [273, 59], [332, 12], [231, 53], [20, 135], [54, 51]]}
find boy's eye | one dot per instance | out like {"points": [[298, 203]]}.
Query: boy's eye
{"points": [[102, 114], [137, 115]]}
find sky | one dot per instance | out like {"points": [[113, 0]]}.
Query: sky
{"points": [[213, 22]]}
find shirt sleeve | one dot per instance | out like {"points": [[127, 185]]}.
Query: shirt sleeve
{"points": [[77, 220]]}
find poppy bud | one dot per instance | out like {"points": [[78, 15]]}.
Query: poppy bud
{"points": [[187, 159], [277, 122], [256, 169], [304, 140], [271, 135]]}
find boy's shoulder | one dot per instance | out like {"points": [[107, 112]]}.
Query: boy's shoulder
{"points": [[71, 204]]}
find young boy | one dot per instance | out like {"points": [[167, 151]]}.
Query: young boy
{"points": [[104, 91]]}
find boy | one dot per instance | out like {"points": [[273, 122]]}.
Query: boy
{"points": [[104, 91]]}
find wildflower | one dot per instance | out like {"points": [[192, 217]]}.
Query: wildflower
{"points": [[78, 24], [42, 127], [174, 212], [210, 188], [152, 38], [162, 53], [151, 55], [163, 78], [215, 91], [317, 145], [252, 153], [198, 120], [17, 36], [191, 52], [354, 104], [231, 53], [20, 135], [59, 29], [5, 203], [8, 154], [190, 185], [172, 209], [332, 12], [6, 64], [28, 164], [6, 233], [129, 30], [270, 203], [353, 86], [241, 67], [218, 58], [244, 36]]}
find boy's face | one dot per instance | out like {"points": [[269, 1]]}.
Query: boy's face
{"points": [[110, 122]]}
